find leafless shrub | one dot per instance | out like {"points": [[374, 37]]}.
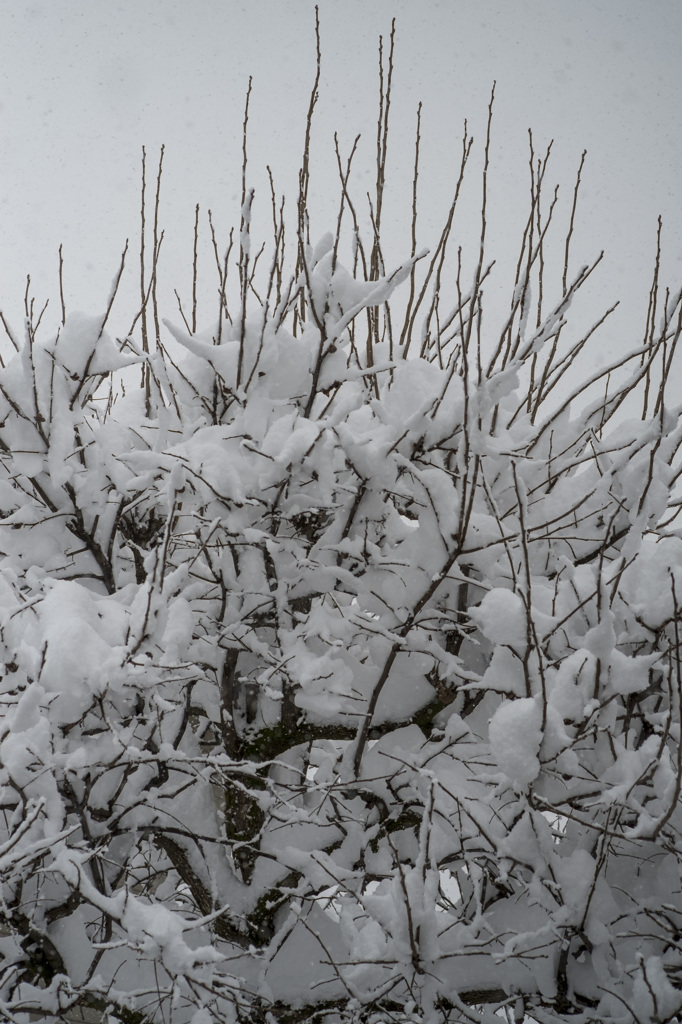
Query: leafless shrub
{"points": [[341, 650]]}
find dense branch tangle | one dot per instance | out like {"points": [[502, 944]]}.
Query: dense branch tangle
{"points": [[342, 667]]}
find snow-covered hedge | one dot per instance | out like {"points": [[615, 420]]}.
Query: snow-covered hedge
{"points": [[341, 682]]}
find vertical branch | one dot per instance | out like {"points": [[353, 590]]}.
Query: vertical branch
{"points": [[244, 240], [376, 262], [157, 246], [304, 180], [542, 168], [146, 378], [245, 126], [61, 285], [650, 328], [222, 267], [569, 235], [404, 334], [194, 269], [525, 298], [274, 283], [278, 235], [484, 206], [540, 250]]}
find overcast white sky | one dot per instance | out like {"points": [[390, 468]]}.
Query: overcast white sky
{"points": [[85, 84]]}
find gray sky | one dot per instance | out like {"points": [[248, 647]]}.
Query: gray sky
{"points": [[85, 85]]}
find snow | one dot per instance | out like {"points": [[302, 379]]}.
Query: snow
{"points": [[365, 693], [502, 618], [515, 734]]}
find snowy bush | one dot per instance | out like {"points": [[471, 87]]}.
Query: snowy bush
{"points": [[341, 661]]}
